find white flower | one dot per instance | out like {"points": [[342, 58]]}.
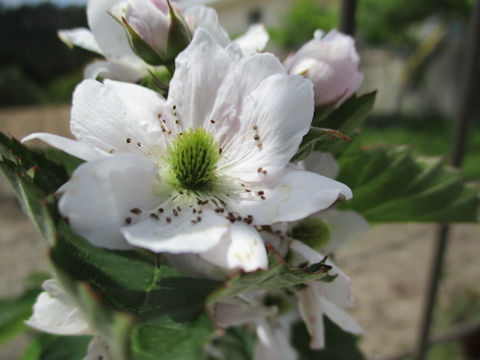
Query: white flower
{"points": [[180, 175], [273, 330], [345, 226], [274, 341], [55, 312], [108, 37], [320, 298], [331, 63]]}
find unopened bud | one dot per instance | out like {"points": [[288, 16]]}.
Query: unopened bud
{"points": [[331, 63]]}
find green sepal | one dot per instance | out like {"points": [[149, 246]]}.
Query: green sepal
{"points": [[179, 34], [141, 47]]}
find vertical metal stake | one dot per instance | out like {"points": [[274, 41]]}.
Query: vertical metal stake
{"points": [[466, 102], [347, 17]]}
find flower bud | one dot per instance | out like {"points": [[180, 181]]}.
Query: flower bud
{"points": [[331, 63], [157, 29]]}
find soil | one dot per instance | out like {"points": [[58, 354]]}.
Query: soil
{"points": [[388, 266]]}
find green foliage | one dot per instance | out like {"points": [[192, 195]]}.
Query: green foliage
{"points": [[13, 313], [426, 135], [304, 17], [60, 88], [386, 22], [51, 347], [16, 88], [42, 69], [393, 18], [340, 345], [392, 186], [346, 120]]}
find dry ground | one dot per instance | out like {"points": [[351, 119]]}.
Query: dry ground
{"points": [[388, 266]]}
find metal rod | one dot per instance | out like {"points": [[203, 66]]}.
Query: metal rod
{"points": [[440, 244], [347, 17], [466, 101]]}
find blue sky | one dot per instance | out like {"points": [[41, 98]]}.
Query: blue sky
{"points": [[14, 3]]}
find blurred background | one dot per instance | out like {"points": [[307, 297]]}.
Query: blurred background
{"points": [[412, 52]]}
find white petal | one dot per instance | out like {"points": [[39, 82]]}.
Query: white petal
{"points": [[106, 115], [98, 198], [56, 313], [234, 312], [249, 72], [322, 163], [109, 34], [114, 70], [207, 19], [345, 227], [196, 267], [151, 21], [279, 111], [311, 312], [241, 248], [337, 291], [340, 317], [291, 195], [98, 349], [72, 147], [254, 40], [229, 81], [273, 343], [198, 89], [80, 37], [184, 234]]}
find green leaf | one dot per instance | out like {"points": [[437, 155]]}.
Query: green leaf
{"points": [[32, 165], [339, 345], [315, 138], [52, 347], [35, 203], [155, 310], [346, 120], [350, 115], [278, 275], [390, 185], [13, 313]]}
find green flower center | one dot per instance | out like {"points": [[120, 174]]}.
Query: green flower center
{"points": [[192, 157]]}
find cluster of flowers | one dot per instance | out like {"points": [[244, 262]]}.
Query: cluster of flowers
{"points": [[187, 144]]}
